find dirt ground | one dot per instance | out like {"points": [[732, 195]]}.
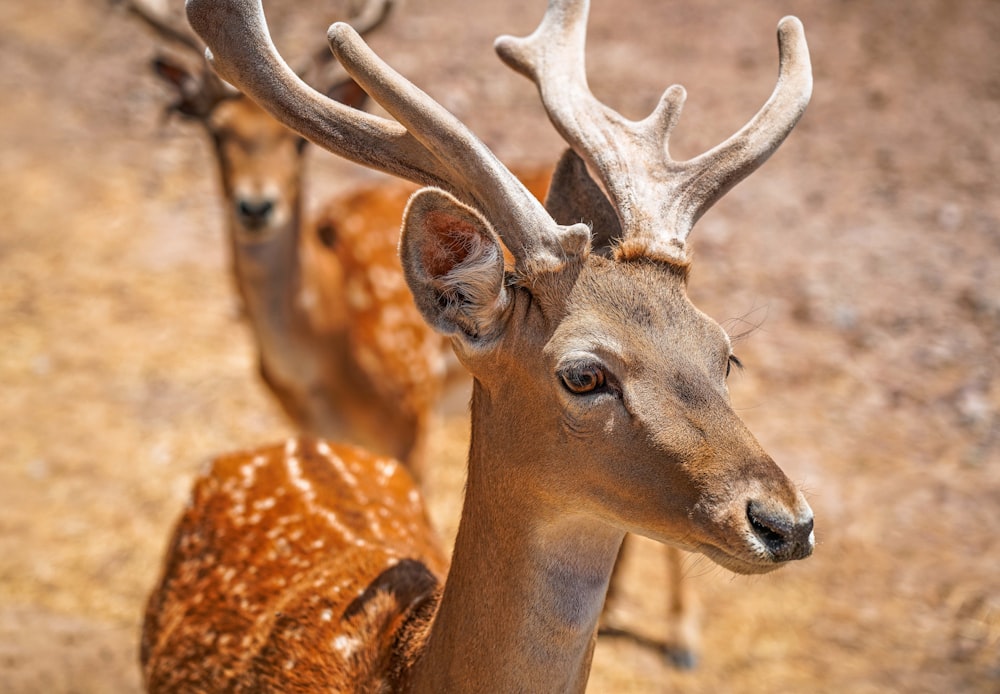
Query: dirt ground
{"points": [[865, 256]]}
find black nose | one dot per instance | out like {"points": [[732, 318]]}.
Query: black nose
{"points": [[254, 213], [785, 537]]}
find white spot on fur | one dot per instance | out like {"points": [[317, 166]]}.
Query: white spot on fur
{"points": [[357, 295], [326, 615], [298, 480], [386, 467], [338, 463], [307, 299], [249, 473], [345, 645]]}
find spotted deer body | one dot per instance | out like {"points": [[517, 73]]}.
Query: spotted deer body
{"points": [[260, 553], [599, 403]]}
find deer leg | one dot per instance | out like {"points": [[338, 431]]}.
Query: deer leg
{"points": [[683, 615]]}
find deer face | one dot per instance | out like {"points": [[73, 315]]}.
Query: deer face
{"points": [[616, 383], [261, 163], [642, 408], [260, 160]]}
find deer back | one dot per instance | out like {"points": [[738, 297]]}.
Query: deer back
{"points": [[293, 567]]}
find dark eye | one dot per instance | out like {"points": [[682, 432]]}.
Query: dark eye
{"points": [[584, 378], [733, 361]]}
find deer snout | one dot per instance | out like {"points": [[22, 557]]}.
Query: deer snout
{"points": [[255, 213], [784, 534]]}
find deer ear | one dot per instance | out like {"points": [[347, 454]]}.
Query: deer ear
{"points": [[172, 72], [575, 197], [454, 265], [190, 101]]}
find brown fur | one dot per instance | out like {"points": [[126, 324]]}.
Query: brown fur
{"points": [[270, 564]]}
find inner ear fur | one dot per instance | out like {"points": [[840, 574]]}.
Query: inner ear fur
{"points": [[453, 262]]}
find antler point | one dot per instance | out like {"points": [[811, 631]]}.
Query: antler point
{"points": [[789, 23]]}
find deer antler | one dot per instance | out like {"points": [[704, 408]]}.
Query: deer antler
{"points": [[372, 15], [200, 90], [427, 145], [174, 32], [658, 199], [203, 92]]}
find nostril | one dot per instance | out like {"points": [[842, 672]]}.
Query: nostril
{"points": [[772, 531], [255, 210], [783, 536]]}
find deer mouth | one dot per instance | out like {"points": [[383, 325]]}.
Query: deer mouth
{"points": [[767, 539], [740, 564]]}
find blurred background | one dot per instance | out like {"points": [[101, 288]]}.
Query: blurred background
{"points": [[861, 264]]}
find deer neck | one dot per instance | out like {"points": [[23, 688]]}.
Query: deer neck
{"points": [[521, 603], [268, 272]]}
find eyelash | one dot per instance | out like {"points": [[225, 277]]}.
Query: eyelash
{"points": [[731, 362]]}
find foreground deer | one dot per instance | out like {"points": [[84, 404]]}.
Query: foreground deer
{"points": [[340, 342], [599, 402]]}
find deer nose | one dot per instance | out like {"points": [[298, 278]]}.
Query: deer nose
{"points": [[254, 213], [785, 536]]}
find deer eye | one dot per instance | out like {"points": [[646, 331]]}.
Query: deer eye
{"points": [[581, 379], [731, 362]]}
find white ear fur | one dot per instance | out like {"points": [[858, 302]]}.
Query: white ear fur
{"points": [[453, 263]]}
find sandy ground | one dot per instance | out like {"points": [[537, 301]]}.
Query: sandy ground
{"points": [[864, 256]]}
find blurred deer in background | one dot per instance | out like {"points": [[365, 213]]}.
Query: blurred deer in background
{"points": [[599, 404], [339, 340]]}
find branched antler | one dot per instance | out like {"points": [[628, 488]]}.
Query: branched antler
{"points": [[658, 199], [427, 145], [203, 91], [372, 15]]}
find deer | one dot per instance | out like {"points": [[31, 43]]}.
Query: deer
{"points": [[339, 341], [599, 401], [321, 298]]}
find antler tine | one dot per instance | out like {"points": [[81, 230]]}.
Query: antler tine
{"points": [[535, 240], [201, 94], [428, 145], [657, 199], [373, 14], [240, 51], [727, 164], [170, 31]]}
